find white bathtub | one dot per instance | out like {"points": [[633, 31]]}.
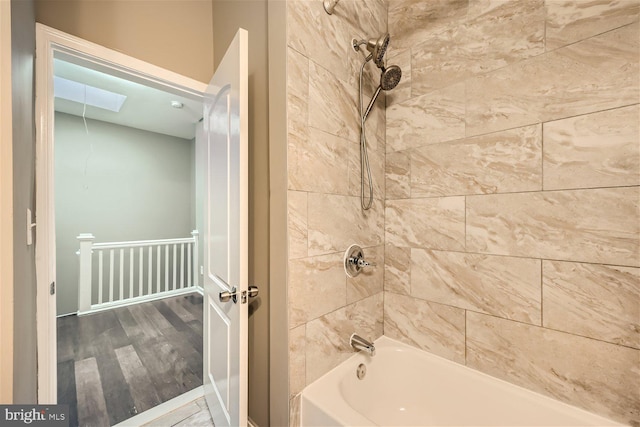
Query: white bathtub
{"points": [[404, 386]]}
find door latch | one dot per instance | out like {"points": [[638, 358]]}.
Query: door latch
{"points": [[52, 288]]}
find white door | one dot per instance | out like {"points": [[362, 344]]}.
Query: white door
{"points": [[226, 238]]}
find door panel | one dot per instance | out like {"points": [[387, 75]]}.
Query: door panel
{"points": [[226, 234]]}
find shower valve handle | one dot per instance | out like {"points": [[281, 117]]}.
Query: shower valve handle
{"points": [[363, 263]]}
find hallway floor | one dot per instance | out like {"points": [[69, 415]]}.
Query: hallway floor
{"points": [[115, 364]]}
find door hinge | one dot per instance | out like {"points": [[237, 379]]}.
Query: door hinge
{"points": [[52, 288]]}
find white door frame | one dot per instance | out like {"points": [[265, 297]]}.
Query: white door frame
{"points": [[48, 42]]}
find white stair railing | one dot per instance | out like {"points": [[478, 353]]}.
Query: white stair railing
{"points": [[176, 271]]}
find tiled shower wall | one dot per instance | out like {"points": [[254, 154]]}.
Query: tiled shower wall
{"points": [[324, 213], [512, 193]]}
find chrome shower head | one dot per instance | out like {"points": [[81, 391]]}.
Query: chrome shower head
{"points": [[390, 77], [377, 48]]}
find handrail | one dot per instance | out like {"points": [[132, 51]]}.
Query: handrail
{"points": [[138, 243]]}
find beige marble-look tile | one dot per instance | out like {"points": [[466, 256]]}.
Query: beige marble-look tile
{"points": [[597, 226], [297, 355], [317, 286], [411, 20], [336, 222], [398, 175], [436, 223], [507, 161], [596, 74], [596, 301], [436, 328], [502, 286], [365, 18], [435, 117], [597, 376], [328, 336], [397, 269], [575, 20], [294, 411], [370, 280], [297, 224], [297, 94], [402, 92], [319, 163], [332, 104], [595, 150], [319, 36], [502, 35]]}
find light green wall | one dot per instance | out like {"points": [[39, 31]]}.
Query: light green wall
{"points": [[119, 184]]}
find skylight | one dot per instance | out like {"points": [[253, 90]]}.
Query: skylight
{"points": [[85, 94]]}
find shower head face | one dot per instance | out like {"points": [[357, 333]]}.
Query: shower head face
{"points": [[378, 48], [390, 77]]}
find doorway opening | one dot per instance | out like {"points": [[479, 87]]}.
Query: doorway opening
{"points": [[117, 222]]}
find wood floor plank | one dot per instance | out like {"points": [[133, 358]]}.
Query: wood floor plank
{"points": [[67, 389], [128, 323], [143, 321], [137, 377], [66, 328], [156, 355], [177, 307], [92, 409], [154, 316], [170, 315]]}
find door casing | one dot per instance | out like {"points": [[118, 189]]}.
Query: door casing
{"points": [[50, 41]]}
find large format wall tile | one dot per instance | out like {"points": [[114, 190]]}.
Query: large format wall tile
{"points": [[496, 37], [297, 354], [337, 222], [318, 36], [436, 328], [321, 154], [376, 166], [411, 20], [328, 337], [508, 161], [317, 286], [397, 269], [401, 58], [575, 20], [297, 224], [594, 375], [501, 286], [592, 75], [332, 104], [297, 94], [435, 117], [596, 301], [595, 150], [597, 226], [397, 175], [437, 223]]}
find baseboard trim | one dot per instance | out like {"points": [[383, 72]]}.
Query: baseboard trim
{"points": [[163, 408]]}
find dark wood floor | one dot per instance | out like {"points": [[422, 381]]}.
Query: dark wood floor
{"points": [[115, 364]]}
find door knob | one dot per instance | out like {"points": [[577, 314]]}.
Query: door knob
{"points": [[253, 291], [226, 295]]}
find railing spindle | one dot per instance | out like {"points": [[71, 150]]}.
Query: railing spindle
{"points": [[189, 265], [140, 264], [158, 268], [175, 259], [121, 269], [150, 270], [111, 261], [166, 267], [100, 299], [181, 265], [131, 263]]}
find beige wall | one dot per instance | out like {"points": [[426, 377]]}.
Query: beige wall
{"points": [[229, 15], [6, 209], [174, 34], [512, 211], [324, 211], [24, 339]]}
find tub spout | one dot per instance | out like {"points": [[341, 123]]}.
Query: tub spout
{"points": [[360, 343]]}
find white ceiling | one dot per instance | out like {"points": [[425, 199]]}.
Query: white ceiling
{"points": [[145, 108]]}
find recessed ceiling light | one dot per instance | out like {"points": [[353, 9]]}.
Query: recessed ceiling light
{"points": [[177, 104], [89, 95]]}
